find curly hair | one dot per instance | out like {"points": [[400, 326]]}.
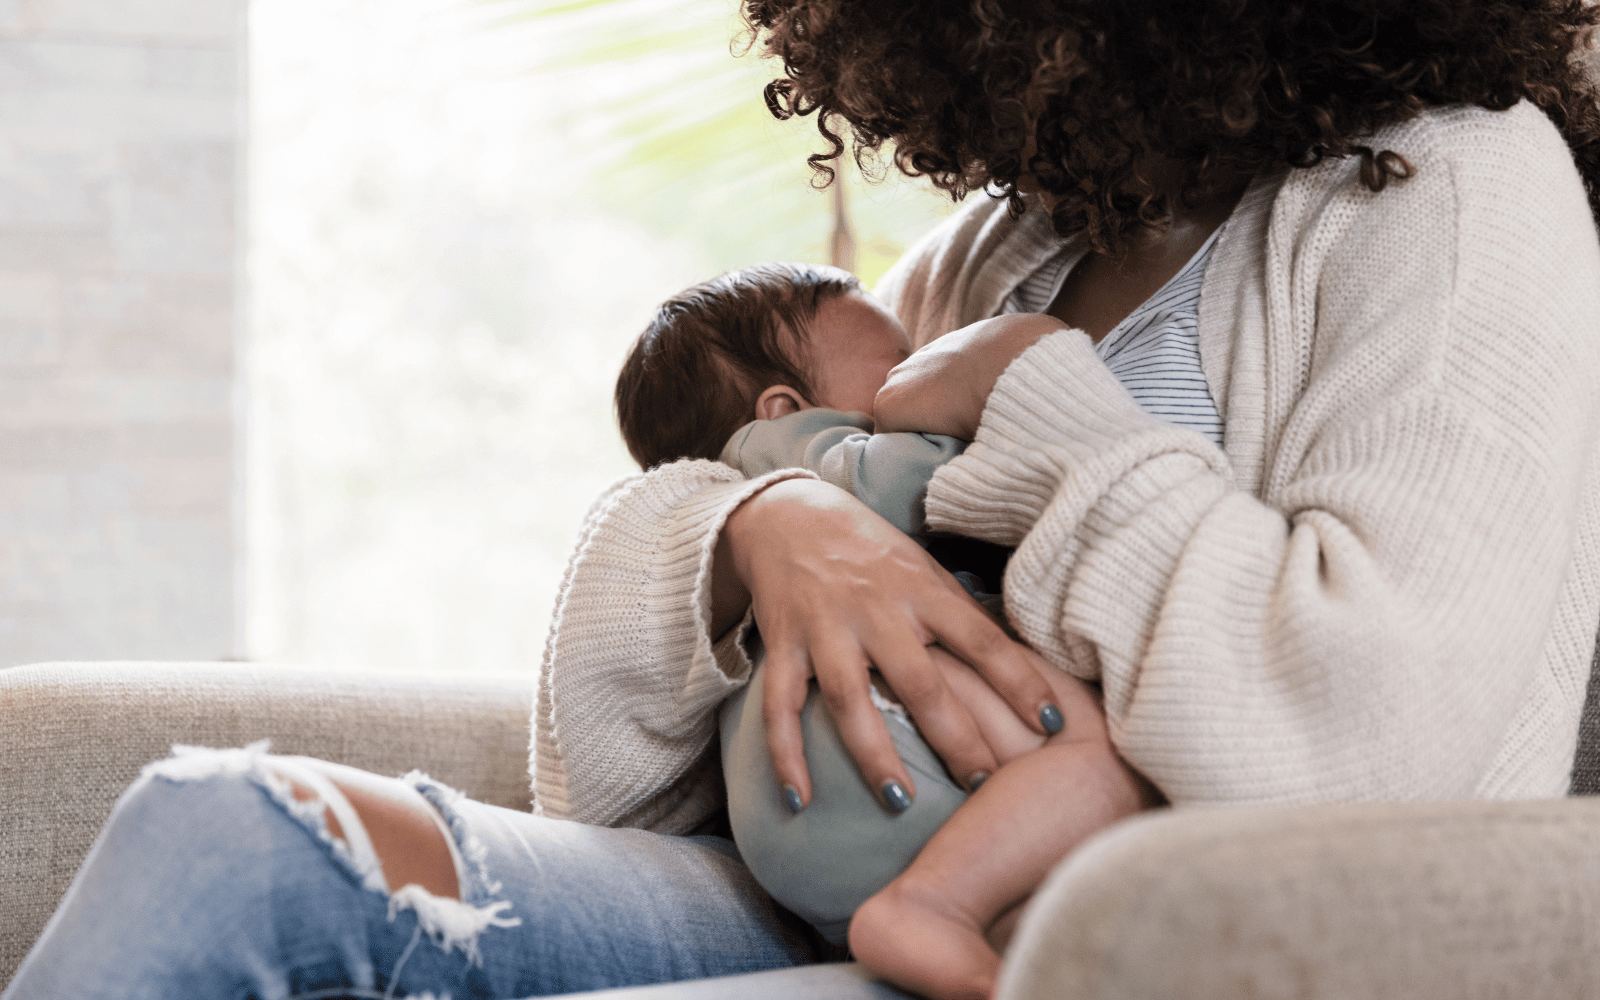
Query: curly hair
{"points": [[692, 377], [1112, 94]]}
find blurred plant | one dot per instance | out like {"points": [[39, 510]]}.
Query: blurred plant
{"points": [[667, 101]]}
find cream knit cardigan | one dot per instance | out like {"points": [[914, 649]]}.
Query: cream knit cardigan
{"points": [[1386, 588]]}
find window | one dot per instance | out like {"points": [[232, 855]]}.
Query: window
{"points": [[461, 215]]}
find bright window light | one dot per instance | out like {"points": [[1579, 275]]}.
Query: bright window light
{"points": [[461, 215]]}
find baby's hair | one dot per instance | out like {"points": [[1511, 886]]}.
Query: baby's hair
{"points": [[693, 376]]}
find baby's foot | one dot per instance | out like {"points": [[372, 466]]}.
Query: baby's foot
{"points": [[921, 942]]}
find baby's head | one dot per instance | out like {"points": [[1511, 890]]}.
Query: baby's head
{"points": [[752, 344]]}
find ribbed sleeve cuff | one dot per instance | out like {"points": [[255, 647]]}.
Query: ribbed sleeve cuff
{"points": [[631, 673], [728, 655]]}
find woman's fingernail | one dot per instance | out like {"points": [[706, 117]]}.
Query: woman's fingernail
{"points": [[895, 797], [791, 798], [1050, 718], [976, 781]]}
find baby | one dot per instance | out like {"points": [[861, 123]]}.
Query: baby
{"points": [[777, 366]]}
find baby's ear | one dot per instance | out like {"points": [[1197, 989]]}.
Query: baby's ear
{"points": [[779, 401]]}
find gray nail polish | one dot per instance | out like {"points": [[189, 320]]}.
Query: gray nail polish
{"points": [[791, 798], [976, 781], [895, 797], [1050, 718]]}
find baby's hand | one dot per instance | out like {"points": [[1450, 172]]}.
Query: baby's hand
{"points": [[942, 389]]}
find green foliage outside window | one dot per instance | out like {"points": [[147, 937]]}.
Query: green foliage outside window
{"points": [[665, 98]]}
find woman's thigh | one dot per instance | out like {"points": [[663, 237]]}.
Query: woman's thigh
{"points": [[211, 879], [613, 907]]}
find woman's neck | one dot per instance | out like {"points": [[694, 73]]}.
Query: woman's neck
{"points": [[1101, 291]]}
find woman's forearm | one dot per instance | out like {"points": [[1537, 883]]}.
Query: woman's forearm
{"points": [[1388, 609]]}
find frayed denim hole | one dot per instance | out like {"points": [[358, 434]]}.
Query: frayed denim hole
{"points": [[192, 763], [312, 813], [451, 924], [473, 852], [455, 923]]}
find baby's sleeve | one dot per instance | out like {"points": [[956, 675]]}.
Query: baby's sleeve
{"points": [[887, 472]]}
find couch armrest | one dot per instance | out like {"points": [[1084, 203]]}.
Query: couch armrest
{"points": [[1447, 900], [823, 981], [74, 735]]}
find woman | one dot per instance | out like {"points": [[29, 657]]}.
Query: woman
{"points": [[1382, 585]]}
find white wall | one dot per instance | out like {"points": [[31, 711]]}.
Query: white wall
{"points": [[120, 130]]}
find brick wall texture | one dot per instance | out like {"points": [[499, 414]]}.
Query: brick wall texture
{"points": [[120, 145]]}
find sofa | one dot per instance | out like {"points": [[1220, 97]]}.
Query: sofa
{"points": [[1453, 900]]}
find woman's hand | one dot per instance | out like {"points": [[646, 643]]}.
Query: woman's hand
{"points": [[838, 591], [943, 388]]}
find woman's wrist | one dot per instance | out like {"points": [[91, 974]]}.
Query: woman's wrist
{"points": [[771, 516], [730, 593]]}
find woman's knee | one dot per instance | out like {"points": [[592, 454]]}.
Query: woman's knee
{"points": [[385, 829], [212, 859], [164, 813], [196, 843], [406, 838], [383, 822]]}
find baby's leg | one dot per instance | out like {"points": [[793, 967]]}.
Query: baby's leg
{"points": [[926, 930]]}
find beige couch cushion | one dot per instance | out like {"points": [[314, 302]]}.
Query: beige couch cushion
{"points": [[1453, 901]]}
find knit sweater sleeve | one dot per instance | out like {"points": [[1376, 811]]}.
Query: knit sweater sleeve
{"points": [[631, 677], [1367, 624]]}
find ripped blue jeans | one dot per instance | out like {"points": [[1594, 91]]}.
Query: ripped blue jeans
{"points": [[210, 880]]}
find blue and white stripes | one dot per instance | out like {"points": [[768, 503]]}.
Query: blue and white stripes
{"points": [[1155, 351]]}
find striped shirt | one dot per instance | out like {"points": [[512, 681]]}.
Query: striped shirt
{"points": [[1155, 351]]}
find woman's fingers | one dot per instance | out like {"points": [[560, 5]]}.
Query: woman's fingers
{"points": [[838, 591], [847, 693], [785, 687], [1013, 670], [945, 722], [842, 676]]}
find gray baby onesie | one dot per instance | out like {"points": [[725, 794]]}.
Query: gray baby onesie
{"points": [[887, 472]]}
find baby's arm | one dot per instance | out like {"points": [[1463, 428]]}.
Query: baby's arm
{"points": [[887, 472], [931, 929]]}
